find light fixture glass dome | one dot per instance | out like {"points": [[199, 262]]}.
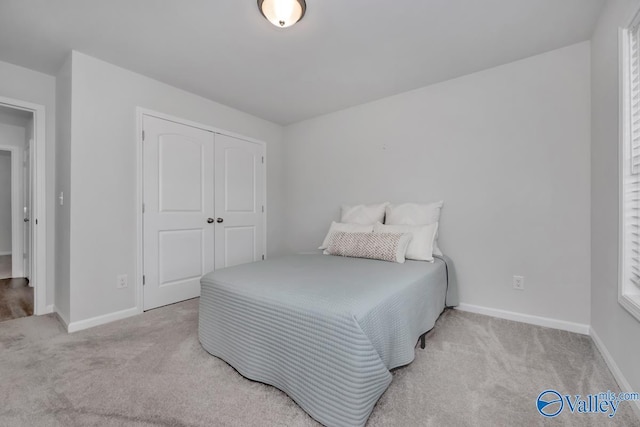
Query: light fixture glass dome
{"points": [[282, 13]]}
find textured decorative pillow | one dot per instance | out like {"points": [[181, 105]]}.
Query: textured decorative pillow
{"points": [[339, 226], [421, 245], [363, 214], [383, 246], [415, 214]]}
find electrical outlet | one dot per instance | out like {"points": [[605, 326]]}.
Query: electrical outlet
{"points": [[122, 281], [518, 282]]}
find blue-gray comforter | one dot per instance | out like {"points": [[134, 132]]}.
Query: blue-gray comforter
{"points": [[326, 330]]}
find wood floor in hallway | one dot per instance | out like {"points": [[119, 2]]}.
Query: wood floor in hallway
{"points": [[16, 299]]}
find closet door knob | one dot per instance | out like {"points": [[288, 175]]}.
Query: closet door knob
{"points": [[209, 220], [219, 220]]}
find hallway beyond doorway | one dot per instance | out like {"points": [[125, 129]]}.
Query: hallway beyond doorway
{"points": [[5, 266], [16, 299]]}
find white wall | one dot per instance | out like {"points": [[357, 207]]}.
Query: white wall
{"points": [[103, 175], [38, 88], [508, 151], [615, 327], [5, 202], [63, 184]]}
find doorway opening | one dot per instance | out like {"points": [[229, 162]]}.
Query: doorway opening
{"points": [[22, 291], [16, 136]]}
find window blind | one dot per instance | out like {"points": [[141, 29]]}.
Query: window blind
{"points": [[631, 172], [634, 88]]}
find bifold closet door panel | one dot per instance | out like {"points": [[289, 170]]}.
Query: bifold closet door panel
{"points": [[178, 194], [239, 201]]}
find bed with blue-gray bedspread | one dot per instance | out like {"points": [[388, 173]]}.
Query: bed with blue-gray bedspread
{"points": [[326, 330]]}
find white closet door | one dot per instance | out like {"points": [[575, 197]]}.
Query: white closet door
{"points": [[28, 191], [178, 210], [239, 199]]}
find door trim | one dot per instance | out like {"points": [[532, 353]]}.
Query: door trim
{"points": [[17, 225], [39, 208], [140, 113]]}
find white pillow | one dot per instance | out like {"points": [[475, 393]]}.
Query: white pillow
{"points": [[363, 214], [436, 249], [338, 226], [421, 246], [415, 214], [383, 246]]}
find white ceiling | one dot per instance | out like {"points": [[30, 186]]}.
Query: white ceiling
{"points": [[342, 53]]}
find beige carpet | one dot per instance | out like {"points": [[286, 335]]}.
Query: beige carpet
{"points": [[150, 370]]}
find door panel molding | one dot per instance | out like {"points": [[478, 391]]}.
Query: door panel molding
{"points": [[168, 162], [248, 234], [237, 175]]}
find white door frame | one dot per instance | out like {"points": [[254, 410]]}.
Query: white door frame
{"points": [[27, 191], [17, 224], [140, 112], [38, 215]]}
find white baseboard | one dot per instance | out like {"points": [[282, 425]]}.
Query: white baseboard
{"points": [[5, 253], [48, 309], [527, 318], [101, 320], [61, 318], [615, 370]]}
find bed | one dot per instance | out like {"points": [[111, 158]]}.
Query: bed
{"points": [[326, 330]]}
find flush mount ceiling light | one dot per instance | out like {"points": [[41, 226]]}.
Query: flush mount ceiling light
{"points": [[282, 13]]}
